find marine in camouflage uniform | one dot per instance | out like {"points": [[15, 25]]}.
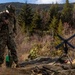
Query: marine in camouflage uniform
{"points": [[8, 27]]}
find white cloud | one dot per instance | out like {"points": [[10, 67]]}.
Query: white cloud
{"points": [[48, 1], [21, 1], [45, 1]]}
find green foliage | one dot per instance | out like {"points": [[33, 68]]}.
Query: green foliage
{"points": [[57, 39], [54, 26], [74, 8], [53, 11], [45, 20], [60, 27], [56, 53], [37, 21], [34, 51], [25, 17], [74, 16], [59, 31], [67, 12]]}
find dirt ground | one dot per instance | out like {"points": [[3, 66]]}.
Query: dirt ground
{"points": [[39, 69]]}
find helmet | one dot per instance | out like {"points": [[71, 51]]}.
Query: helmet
{"points": [[10, 8]]}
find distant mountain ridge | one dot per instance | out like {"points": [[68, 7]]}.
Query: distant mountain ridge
{"points": [[19, 5]]}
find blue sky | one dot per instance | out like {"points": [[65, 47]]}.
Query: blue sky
{"points": [[37, 1]]}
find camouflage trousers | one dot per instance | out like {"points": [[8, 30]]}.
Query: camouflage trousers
{"points": [[10, 43]]}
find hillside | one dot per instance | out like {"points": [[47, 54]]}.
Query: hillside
{"points": [[19, 6], [44, 45]]}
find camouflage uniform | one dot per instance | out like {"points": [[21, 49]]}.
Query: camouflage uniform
{"points": [[6, 37], [11, 43]]}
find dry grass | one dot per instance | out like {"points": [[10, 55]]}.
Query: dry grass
{"points": [[25, 44]]}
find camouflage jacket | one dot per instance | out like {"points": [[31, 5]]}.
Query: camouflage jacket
{"points": [[10, 25], [3, 25]]}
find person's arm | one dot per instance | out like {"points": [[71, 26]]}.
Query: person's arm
{"points": [[6, 21], [14, 29], [3, 19]]}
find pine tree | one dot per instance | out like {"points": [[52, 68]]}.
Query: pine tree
{"points": [[37, 21], [53, 11], [60, 27], [67, 12], [60, 32], [53, 26], [25, 17], [74, 16], [45, 20]]}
